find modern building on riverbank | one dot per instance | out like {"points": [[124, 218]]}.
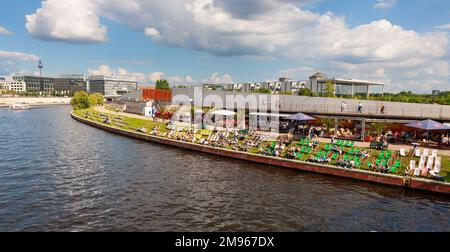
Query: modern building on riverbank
{"points": [[68, 84], [36, 84], [13, 85], [318, 84], [111, 86]]}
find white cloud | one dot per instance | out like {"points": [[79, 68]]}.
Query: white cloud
{"points": [[152, 32], [18, 56], [181, 80], [68, 21], [216, 78], [155, 76], [256, 28], [443, 27], [385, 4], [4, 31], [11, 62], [141, 77]]}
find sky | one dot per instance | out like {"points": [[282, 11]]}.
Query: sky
{"points": [[404, 43]]}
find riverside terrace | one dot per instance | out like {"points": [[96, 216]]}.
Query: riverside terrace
{"points": [[341, 153]]}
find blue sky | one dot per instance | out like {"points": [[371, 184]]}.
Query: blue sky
{"points": [[404, 43]]}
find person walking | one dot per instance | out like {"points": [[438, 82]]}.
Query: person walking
{"points": [[342, 106], [382, 109], [359, 107]]}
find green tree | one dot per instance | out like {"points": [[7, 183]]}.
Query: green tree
{"points": [[162, 84], [377, 128], [305, 92], [80, 100], [264, 91], [100, 98], [329, 89], [92, 100]]}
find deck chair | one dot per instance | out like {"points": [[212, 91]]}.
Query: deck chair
{"points": [[430, 162], [421, 167], [437, 165], [426, 152], [417, 170], [434, 153], [417, 154], [412, 167], [402, 152]]}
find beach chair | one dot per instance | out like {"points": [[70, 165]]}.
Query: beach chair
{"points": [[430, 163], [402, 152], [434, 153], [426, 152], [300, 156], [421, 166], [437, 166], [417, 153], [417, 171], [335, 155]]}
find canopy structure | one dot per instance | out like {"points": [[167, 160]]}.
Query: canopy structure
{"points": [[300, 117], [428, 125], [223, 113]]}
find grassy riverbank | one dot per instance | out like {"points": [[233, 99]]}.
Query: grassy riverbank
{"points": [[133, 124]]}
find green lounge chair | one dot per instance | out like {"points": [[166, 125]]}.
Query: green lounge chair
{"points": [[335, 155], [352, 144], [300, 156], [351, 151]]}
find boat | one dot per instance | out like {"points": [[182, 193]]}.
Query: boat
{"points": [[20, 106]]}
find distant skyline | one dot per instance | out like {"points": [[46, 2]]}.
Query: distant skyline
{"points": [[404, 43]]}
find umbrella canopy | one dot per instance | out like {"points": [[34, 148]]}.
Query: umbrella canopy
{"points": [[428, 125], [299, 117]]}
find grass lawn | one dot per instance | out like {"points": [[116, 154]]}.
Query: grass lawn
{"points": [[133, 124]]}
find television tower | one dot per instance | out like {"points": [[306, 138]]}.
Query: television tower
{"points": [[40, 66]]}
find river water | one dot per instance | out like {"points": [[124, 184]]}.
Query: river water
{"points": [[57, 174]]}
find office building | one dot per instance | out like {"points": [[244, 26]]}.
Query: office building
{"points": [[111, 86], [36, 84], [69, 84]]}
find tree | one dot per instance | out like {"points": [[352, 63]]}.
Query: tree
{"points": [[329, 89], [305, 92], [100, 98], [162, 84], [264, 91], [80, 100], [92, 100], [377, 128]]}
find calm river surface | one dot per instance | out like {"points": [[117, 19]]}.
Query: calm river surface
{"points": [[59, 175]]}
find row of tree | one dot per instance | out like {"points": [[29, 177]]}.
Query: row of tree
{"points": [[83, 100]]}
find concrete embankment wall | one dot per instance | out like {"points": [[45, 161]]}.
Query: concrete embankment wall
{"points": [[35, 101], [394, 180]]}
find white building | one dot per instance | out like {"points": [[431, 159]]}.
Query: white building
{"points": [[18, 86], [111, 86]]}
